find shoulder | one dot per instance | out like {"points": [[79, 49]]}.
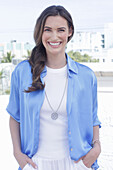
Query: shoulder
{"points": [[83, 71], [78, 66], [83, 67], [86, 73], [22, 69], [80, 69], [22, 66]]}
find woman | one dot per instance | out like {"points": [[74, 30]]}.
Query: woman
{"points": [[53, 102]]}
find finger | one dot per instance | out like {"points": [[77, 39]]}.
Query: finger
{"points": [[32, 163]]}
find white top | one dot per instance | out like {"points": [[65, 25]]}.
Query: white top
{"points": [[53, 136]]}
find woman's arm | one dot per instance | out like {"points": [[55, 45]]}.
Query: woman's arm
{"points": [[96, 141], [21, 158], [15, 135], [93, 154]]}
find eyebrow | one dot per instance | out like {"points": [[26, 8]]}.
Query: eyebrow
{"points": [[58, 28], [62, 28]]}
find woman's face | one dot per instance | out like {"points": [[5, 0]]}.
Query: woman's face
{"points": [[55, 35]]}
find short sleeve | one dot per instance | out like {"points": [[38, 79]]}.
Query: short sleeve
{"points": [[13, 105], [95, 103]]}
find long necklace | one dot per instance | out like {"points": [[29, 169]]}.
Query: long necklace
{"points": [[54, 114]]}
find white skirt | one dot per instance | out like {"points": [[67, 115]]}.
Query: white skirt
{"points": [[56, 164]]}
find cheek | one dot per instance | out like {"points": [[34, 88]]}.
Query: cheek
{"points": [[65, 37], [45, 37]]}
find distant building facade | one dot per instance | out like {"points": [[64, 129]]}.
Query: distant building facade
{"points": [[108, 32], [89, 41], [96, 44], [18, 49]]}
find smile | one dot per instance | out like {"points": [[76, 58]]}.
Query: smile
{"points": [[54, 44]]}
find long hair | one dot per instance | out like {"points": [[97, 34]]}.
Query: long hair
{"points": [[38, 56]]}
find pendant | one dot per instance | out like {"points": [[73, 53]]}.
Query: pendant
{"points": [[54, 116]]}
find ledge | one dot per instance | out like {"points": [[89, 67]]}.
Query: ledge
{"points": [[104, 73]]}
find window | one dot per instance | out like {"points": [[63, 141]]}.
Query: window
{"points": [[103, 46], [102, 35]]}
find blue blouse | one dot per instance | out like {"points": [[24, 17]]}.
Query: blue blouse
{"points": [[81, 108]]}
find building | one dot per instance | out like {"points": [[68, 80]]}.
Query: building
{"points": [[108, 32], [89, 42], [96, 44], [19, 49]]}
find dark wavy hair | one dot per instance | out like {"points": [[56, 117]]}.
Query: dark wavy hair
{"points": [[38, 56]]}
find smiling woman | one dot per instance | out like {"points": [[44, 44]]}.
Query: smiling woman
{"points": [[44, 24], [54, 39], [53, 102]]}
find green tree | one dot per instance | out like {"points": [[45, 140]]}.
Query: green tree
{"points": [[8, 58], [28, 54], [77, 56], [2, 75]]}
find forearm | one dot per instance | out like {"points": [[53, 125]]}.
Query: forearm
{"points": [[21, 158], [96, 141], [95, 132], [93, 154], [15, 135]]}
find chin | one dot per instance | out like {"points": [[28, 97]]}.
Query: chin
{"points": [[57, 52]]}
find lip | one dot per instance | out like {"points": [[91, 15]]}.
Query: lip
{"points": [[54, 44]]}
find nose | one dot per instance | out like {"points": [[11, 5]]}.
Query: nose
{"points": [[55, 35]]}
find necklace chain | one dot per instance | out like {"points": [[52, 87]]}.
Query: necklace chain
{"points": [[54, 115]]}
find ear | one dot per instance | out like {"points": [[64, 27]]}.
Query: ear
{"points": [[70, 31]]}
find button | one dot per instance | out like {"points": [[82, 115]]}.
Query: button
{"points": [[70, 132], [71, 149]]}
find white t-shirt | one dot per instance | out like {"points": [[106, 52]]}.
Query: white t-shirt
{"points": [[53, 134]]}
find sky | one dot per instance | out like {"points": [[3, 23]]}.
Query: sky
{"points": [[18, 17]]}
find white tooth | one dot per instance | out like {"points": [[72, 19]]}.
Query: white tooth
{"points": [[54, 43]]}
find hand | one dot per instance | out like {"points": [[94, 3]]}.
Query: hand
{"points": [[91, 156], [23, 159]]}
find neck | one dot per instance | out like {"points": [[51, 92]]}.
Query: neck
{"points": [[56, 61]]}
